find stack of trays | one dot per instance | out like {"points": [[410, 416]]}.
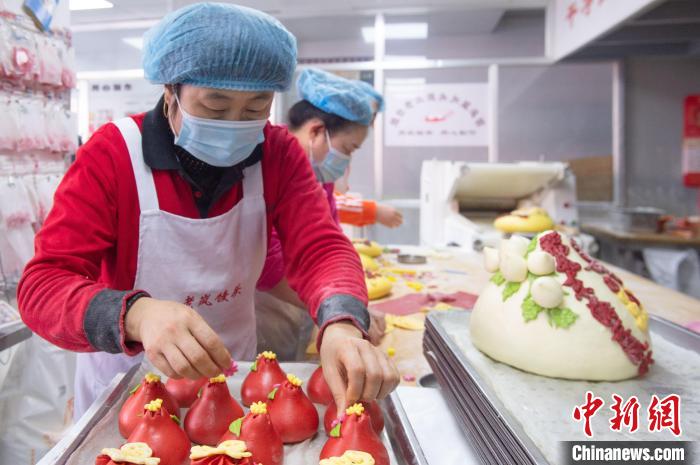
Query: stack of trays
{"points": [[495, 435]]}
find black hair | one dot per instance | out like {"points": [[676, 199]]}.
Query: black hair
{"points": [[303, 111]]}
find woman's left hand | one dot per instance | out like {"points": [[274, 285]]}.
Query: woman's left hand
{"points": [[377, 327], [354, 369]]}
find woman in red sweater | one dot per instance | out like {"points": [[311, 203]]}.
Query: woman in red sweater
{"points": [[159, 229]]}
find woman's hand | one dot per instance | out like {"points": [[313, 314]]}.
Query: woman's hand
{"points": [[389, 216], [354, 369], [377, 327], [176, 339]]}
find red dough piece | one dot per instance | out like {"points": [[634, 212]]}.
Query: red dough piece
{"points": [[356, 433], [260, 437], [264, 375], [151, 388], [211, 413], [105, 460], [163, 435], [292, 413], [185, 390], [222, 460], [375, 414], [318, 389]]}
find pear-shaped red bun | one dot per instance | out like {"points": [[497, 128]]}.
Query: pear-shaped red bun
{"points": [[151, 388], [292, 413], [355, 433], [162, 433], [318, 389], [372, 408], [208, 418], [260, 437], [185, 390], [264, 374]]}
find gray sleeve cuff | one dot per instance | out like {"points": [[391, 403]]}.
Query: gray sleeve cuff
{"points": [[342, 307], [104, 320]]}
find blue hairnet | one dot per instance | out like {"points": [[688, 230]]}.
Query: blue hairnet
{"points": [[221, 46], [336, 95], [373, 94]]}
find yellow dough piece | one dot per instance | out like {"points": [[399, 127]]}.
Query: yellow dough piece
{"points": [[377, 286], [369, 248], [404, 322], [368, 263], [530, 220], [349, 457]]}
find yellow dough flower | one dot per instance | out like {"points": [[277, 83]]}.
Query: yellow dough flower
{"points": [[154, 405], [268, 354], [258, 408], [295, 381], [218, 379], [152, 378], [355, 409]]}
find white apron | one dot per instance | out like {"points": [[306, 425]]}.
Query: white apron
{"points": [[210, 264]]}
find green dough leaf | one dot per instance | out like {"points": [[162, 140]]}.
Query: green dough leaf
{"points": [[335, 432], [531, 276], [531, 246], [498, 278], [561, 317], [235, 427], [272, 393], [510, 289], [136, 388], [254, 366], [175, 419], [530, 309]]}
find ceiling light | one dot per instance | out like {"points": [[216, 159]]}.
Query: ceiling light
{"points": [[76, 5], [398, 31], [136, 42]]}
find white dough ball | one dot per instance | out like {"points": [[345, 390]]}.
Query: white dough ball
{"points": [[516, 245], [491, 259], [513, 267], [540, 263], [547, 292]]}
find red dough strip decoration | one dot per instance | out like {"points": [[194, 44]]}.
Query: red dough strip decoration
{"points": [[636, 351]]}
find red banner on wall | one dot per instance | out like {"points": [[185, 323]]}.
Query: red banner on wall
{"points": [[691, 141]]}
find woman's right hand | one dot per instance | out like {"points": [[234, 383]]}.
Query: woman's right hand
{"points": [[389, 216], [176, 339]]}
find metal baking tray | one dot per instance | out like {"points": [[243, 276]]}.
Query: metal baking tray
{"points": [[497, 435], [399, 437]]}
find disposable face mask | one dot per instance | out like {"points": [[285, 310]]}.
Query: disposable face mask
{"points": [[218, 142], [333, 166]]}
